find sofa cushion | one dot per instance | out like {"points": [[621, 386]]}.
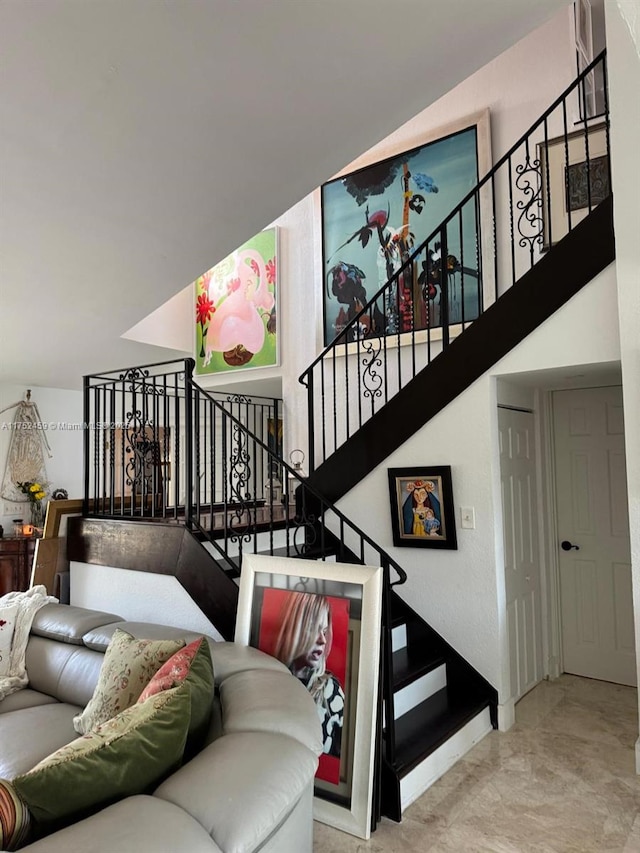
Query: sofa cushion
{"points": [[140, 823], [62, 670], [123, 756], [69, 624], [99, 638], [15, 820], [8, 614], [25, 698], [242, 802], [128, 667], [190, 666], [29, 735]]}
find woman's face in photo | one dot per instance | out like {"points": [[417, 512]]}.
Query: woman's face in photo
{"points": [[317, 651]]}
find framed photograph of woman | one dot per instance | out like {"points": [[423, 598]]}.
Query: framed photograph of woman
{"points": [[309, 633], [322, 620], [422, 513]]}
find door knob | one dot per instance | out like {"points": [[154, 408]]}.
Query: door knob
{"points": [[567, 546]]}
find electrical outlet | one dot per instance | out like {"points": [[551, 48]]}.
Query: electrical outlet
{"points": [[468, 517], [13, 509]]}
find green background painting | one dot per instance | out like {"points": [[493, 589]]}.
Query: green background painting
{"points": [[235, 309]]}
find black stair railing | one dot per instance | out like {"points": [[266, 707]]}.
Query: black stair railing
{"points": [[553, 177], [140, 442], [160, 447]]}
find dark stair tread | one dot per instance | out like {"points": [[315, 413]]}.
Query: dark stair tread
{"points": [[424, 728], [312, 554], [413, 662]]}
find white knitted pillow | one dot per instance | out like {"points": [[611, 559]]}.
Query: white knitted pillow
{"points": [[8, 614]]}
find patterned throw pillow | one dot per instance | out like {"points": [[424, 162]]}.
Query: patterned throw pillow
{"points": [[15, 820], [192, 666], [130, 754], [7, 624], [128, 667]]}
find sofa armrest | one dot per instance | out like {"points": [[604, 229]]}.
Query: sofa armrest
{"points": [[230, 658], [242, 787]]}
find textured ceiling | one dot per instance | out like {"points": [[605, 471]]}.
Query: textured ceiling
{"points": [[143, 140]]}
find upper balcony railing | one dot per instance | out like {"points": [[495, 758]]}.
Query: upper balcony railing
{"points": [[164, 449], [553, 177]]}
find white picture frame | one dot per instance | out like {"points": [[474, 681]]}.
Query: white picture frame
{"points": [[350, 806]]}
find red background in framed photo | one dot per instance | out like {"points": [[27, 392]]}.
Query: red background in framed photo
{"points": [[272, 604]]}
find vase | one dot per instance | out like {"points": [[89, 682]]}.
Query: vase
{"points": [[37, 514]]}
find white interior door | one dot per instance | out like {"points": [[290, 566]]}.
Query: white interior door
{"points": [[596, 602], [521, 548]]}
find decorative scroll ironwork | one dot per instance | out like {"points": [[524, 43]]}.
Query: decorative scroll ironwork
{"points": [[371, 380], [529, 182], [135, 435], [306, 526], [239, 477], [138, 382]]}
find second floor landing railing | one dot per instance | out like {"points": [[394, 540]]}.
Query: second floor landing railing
{"points": [[553, 177]]}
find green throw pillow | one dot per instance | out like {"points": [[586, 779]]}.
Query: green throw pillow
{"points": [[193, 667], [127, 755], [128, 667]]}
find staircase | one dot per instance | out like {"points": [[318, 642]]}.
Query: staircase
{"points": [[206, 464]]}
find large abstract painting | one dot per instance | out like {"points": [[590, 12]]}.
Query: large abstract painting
{"points": [[375, 218], [235, 309]]}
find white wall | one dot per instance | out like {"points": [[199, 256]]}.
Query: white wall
{"points": [[461, 593], [64, 468], [516, 87], [137, 597], [623, 43]]}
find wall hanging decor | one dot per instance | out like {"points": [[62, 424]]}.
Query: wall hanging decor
{"points": [[322, 620], [28, 445], [236, 309], [422, 507], [374, 218]]}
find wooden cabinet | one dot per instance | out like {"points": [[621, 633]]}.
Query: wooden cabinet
{"points": [[16, 557]]}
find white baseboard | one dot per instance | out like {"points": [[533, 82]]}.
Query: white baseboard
{"points": [[638, 756], [432, 768], [506, 715], [554, 668]]}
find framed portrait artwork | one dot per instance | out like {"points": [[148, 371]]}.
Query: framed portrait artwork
{"points": [[322, 620], [374, 218], [422, 513], [236, 309], [575, 179]]}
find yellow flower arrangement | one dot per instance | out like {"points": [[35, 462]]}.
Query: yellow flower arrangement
{"points": [[34, 491]]}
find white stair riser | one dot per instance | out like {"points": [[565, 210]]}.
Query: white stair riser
{"points": [[398, 638], [436, 765], [420, 690]]}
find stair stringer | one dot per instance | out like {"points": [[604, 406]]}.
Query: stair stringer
{"points": [[571, 264], [165, 549]]}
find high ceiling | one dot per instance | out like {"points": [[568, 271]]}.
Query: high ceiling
{"points": [[143, 140]]}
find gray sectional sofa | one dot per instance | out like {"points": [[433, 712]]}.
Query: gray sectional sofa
{"points": [[250, 788]]}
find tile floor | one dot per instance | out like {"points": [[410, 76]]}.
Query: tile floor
{"points": [[562, 780]]}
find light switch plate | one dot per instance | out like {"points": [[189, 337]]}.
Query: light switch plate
{"points": [[468, 517]]}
